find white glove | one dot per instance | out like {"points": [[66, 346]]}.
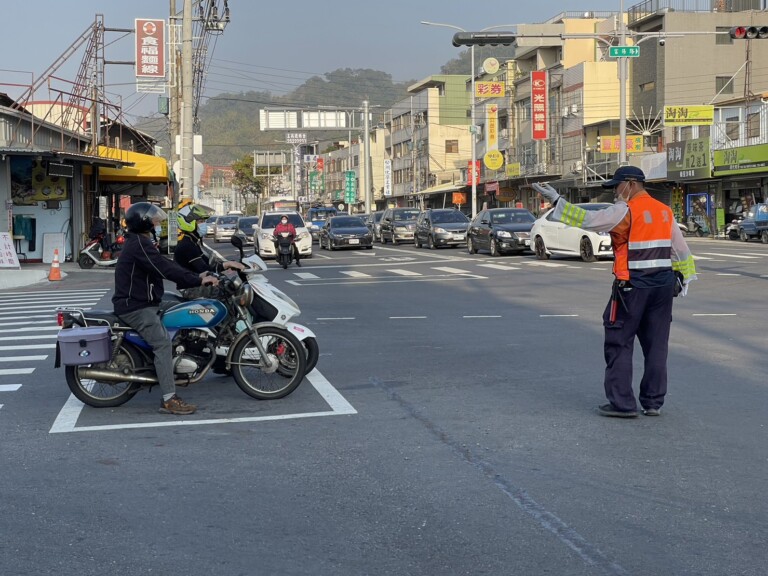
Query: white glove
{"points": [[684, 291], [547, 192]]}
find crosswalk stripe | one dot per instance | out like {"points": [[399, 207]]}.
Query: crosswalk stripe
{"points": [[29, 347], [546, 264], [402, 272], [40, 307], [306, 275], [499, 267], [23, 358], [731, 255], [9, 387], [25, 322], [15, 371], [43, 336], [33, 329], [451, 270], [355, 274]]}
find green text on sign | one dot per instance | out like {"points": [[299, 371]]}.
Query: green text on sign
{"points": [[624, 51]]}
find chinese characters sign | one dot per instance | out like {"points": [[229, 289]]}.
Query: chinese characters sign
{"points": [[539, 105], [473, 175], [8, 257], [489, 90], [612, 144], [741, 160], [689, 115], [688, 160], [387, 177], [150, 48], [350, 182], [492, 127]]}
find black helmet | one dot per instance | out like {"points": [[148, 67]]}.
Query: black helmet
{"points": [[143, 217]]}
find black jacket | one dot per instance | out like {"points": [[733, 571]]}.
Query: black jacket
{"points": [[189, 254], [139, 275]]}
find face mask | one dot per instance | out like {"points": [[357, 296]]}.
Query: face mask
{"points": [[283, 222], [202, 229], [158, 231]]}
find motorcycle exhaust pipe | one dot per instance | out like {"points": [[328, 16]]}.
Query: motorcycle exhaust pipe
{"points": [[110, 376]]}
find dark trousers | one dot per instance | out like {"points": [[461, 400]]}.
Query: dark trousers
{"points": [[149, 325], [648, 315]]}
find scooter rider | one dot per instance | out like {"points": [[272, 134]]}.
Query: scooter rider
{"points": [[189, 251], [652, 264], [286, 226], [139, 276]]}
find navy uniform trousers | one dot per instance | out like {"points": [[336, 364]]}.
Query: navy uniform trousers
{"points": [[646, 314]]}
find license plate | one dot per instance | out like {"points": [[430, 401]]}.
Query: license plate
{"points": [[527, 242], [458, 237], [354, 241]]}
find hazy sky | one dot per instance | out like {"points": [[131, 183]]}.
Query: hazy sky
{"points": [[268, 45]]}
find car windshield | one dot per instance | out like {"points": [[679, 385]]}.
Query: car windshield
{"points": [[227, 220], [405, 214], [347, 222], [246, 224], [315, 214], [446, 217], [272, 220], [512, 217], [377, 216]]}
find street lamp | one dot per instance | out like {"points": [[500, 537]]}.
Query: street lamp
{"points": [[471, 39]]}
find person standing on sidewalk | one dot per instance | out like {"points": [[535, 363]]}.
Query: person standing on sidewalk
{"points": [[139, 275], [652, 264]]}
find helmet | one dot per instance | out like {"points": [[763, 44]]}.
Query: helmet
{"points": [[189, 213], [143, 217]]}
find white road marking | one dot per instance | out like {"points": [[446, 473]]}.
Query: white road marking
{"points": [[728, 314], [49, 317], [41, 337], [546, 264], [407, 317], [29, 347], [14, 308], [306, 275], [59, 293], [558, 315], [50, 321], [479, 316], [727, 274], [33, 329], [66, 421], [402, 272], [499, 267], [339, 318], [9, 387], [388, 280], [731, 255], [22, 358], [697, 257], [354, 274], [451, 270], [13, 371]]}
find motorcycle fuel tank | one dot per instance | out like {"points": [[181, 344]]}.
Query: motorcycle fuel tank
{"points": [[201, 313]]}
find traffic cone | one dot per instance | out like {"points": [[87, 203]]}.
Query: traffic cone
{"points": [[55, 273]]}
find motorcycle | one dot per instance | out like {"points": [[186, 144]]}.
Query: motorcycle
{"points": [[284, 249], [732, 230], [94, 252], [693, 228], [272, 305], [107, 363]]}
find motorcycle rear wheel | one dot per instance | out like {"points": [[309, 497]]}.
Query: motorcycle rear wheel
{"points": [[106, 394], [85, 262], [313, 353], [246, 364]]}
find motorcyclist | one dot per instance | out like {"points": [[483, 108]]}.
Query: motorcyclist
{"points": [[139, 276], [189, 251], [286, 226]]}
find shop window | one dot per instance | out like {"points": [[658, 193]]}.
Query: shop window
{"points": [[723, 85], [753, 124], [451, 146]]}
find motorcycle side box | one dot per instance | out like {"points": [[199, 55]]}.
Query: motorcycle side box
{"points": [[79, 346]]}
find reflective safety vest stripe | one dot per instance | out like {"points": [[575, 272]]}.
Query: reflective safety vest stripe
{"points": [[649, 247]]}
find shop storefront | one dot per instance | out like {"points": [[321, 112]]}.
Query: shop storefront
{"points": [[743, 173]]}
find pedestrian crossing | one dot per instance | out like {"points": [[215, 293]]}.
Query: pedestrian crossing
{"points": [[28, 331]]}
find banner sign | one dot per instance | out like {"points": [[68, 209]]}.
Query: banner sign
{"points": [[473, 175], [612, 144], [513, 170], [539, 105], [150, 48], [688, 160], [741, 160], [492, 127], [490, 90], [702, 115], [387, 177]]}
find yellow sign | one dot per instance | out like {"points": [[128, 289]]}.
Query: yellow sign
{"points": [[490, 90], [513, 170], [493, 160], [492, 128], [612, 144], [700, 115]]}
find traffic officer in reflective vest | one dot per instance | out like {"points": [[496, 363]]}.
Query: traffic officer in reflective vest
{"points": [[652, 264]]}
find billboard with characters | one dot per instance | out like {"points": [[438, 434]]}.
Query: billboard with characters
{"points": [[30, 182]]}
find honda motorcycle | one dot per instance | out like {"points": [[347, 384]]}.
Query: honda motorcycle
{"points": [[107, 362]]}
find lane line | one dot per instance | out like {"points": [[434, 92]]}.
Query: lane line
{"points": [[339, 318], [41, 337], [407, 317], [704, 314], [727, 274], [14, 308], [499, 267], [66, 421], [479, 316], [22, 358], [731, 255], [32, 329], [29, 347], [558, 315], [402, 272], [9, 387], [15, 371], [385, 280]]}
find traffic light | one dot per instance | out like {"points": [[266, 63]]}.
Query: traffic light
{"points": [[483, 38], [749, 32]]}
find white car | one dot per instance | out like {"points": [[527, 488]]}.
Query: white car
{"points": [[264, 241], [551, 237]]}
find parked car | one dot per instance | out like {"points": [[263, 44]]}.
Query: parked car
{"points": [[552, 237], [440, 227], [398, 225], [245, 228], [500, 231], [373, 221], [345, 232], [264, 241], [224, 227]]}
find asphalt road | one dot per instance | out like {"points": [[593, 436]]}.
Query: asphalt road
{"points": [[450, 429]]}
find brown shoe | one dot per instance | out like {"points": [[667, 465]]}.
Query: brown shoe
{"points": [[176, 405]]}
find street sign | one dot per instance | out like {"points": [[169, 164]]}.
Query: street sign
{"points": [[350, 182], [296, 137], [624, 51], [493, 160], [350, 196]]}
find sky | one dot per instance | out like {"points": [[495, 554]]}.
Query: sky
{"points": [[268, 45]]}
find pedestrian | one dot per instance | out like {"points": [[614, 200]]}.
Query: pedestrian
{"points": [[139, 275], [286, 226], [652, 264]]}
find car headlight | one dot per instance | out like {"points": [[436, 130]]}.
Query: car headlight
{"points": [[301, 235], [267, 236], [503, 234], [439, 230], [603, 233], [313, 227]]}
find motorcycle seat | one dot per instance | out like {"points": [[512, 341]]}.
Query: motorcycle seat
{"points": [[101, 317]]}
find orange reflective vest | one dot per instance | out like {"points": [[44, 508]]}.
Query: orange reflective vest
{"points": [[647, 249]]}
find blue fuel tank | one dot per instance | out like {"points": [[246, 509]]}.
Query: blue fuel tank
{"points": [[201, 313]]}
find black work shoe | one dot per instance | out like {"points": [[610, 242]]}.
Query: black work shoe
{"points": [[176, 405], [610, 411], [298, 263], [652, 411]]}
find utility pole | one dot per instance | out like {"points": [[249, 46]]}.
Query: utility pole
{"points": [[173, 128], [187, 93], [367, 158], [623, 64]]}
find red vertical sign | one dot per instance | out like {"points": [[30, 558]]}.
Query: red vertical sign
{"points": [[320, 164], [150, 48], [473, 175], [539, 105]]}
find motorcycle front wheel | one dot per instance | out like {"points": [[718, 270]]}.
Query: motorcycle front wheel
{"points": [[102, 394], [313, 353], [85, 262], [252, 375]]}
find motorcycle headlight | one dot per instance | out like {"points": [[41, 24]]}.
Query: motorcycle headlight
{"points": [[245, 295]]}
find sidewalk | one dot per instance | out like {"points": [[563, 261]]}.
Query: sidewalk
{"points": [[30, 274]]}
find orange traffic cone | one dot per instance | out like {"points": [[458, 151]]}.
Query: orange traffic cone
{"points": [[55, 273]]}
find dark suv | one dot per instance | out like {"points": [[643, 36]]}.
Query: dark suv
{"points": [[398, 225], [441, 227]]}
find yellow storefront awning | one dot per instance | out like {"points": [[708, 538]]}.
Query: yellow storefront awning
{"points": [[145, 169]]}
